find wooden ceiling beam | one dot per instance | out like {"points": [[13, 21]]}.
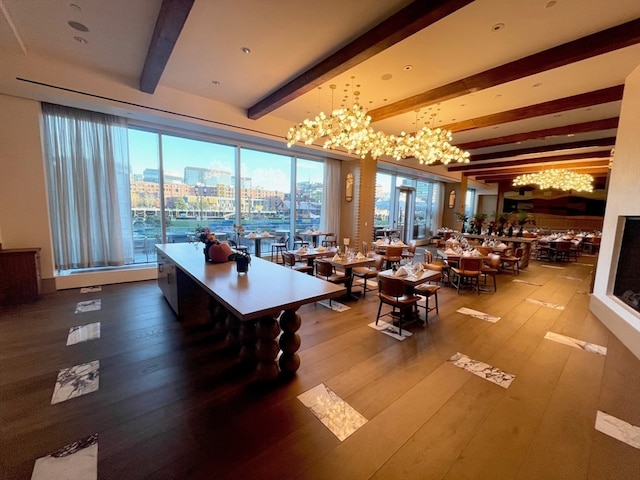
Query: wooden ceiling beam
{"points": [[526, 161], [171, 18], [597, 97], [593, 45], [416, 16], [597, 142], [605, 124]]}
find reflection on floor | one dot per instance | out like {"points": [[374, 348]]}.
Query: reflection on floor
{"points": [[482, 370], [391, 330], [76, 381], [618, 429], [77, 461], [333, 305], [83, 333], [545, 304], [572, 342], [91, 289], [89, 306], [336, 414], [476, 314]]}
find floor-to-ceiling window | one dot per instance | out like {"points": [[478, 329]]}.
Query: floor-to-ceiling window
{"points": [[405, 204]]}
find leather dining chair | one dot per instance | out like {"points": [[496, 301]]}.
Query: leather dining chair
{"points": [[368, 272], [469, 270], [427, 291], [289, 260], [491, 267], [279, 247], [327, 272], [513, 261], [391, 291], [392, 255]]}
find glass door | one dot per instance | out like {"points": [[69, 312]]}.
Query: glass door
{"points": [[405, 206]]}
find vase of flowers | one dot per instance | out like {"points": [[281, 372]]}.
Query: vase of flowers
{"points": [[204, 235]]}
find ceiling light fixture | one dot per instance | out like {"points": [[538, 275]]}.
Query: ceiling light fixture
{"points": [[245, 50], [560, 179], [350, 129]]}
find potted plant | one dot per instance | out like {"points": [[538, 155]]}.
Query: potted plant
{"points": [[462, 218], [503, 218], [523, 219], [478, 221]]}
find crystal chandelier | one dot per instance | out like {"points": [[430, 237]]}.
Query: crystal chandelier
{"points": [[349, 128], [560, 179]]}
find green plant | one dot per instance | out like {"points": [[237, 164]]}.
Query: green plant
{"points": [[479, 218]]}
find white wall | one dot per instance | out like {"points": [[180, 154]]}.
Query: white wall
{"points": [[623, 200], [24, 217]]}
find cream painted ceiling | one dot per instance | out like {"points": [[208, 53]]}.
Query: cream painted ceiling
{"points": [[288, 37]]}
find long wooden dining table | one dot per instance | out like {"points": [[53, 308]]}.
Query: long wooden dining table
{"points": [[252, 308]]}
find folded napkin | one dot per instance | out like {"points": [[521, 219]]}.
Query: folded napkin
{"points": [[379, 242], [309, 232], [317, 232], [360, 256], [418, 268], [475, 253], [302, 250], [320, 248], [251, 235], [502, 245], [265, 234], [336, 258], [450, 251], [401, 272]]}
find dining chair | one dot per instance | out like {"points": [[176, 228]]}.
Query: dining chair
{"points": [[559, 251], [491, 267], [235, 246], [427, 291], [512, 261], [438, 266], [392, 255], [330, 240], [279, 247], [299, 242], [327, 272], [542, 251], [484, 250], [410, 251], [369, 271], [576, 247], [391, 291], [469, 270], [289, 260]]}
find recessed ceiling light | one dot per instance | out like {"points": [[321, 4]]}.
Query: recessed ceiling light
{"points": [[570, 134], [498, 95], [216, 82], [386, 76], [550, 4], [78, 26], [557, 115], [75, 7], [497, 27], [406, 68], [80, 40], [536, 84], [245, 50]]}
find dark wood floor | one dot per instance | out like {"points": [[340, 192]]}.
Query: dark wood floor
{"points": [[173, 402]]}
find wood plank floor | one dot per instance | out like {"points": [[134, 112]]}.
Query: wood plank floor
{"points": [[174, 403]]}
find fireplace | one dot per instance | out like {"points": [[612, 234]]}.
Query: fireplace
{"points": [[627, 281]]}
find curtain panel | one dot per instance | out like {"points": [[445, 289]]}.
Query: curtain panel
{"points": [[88, 181]]}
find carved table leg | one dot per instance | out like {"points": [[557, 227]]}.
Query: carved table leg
{"points": [[267, 330], [290, 322]]}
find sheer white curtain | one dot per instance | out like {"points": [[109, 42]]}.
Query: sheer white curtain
{"points": [[438, 207], [330, 216], [88, 181]]}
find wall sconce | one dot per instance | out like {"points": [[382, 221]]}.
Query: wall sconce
{"points": [[452, 199], [348, 194]]}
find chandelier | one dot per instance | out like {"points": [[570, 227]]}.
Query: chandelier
{"points": [[560, 179], [349, 128]]}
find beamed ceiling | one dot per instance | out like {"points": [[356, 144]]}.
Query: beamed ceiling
{"points": [[522, 85]]}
